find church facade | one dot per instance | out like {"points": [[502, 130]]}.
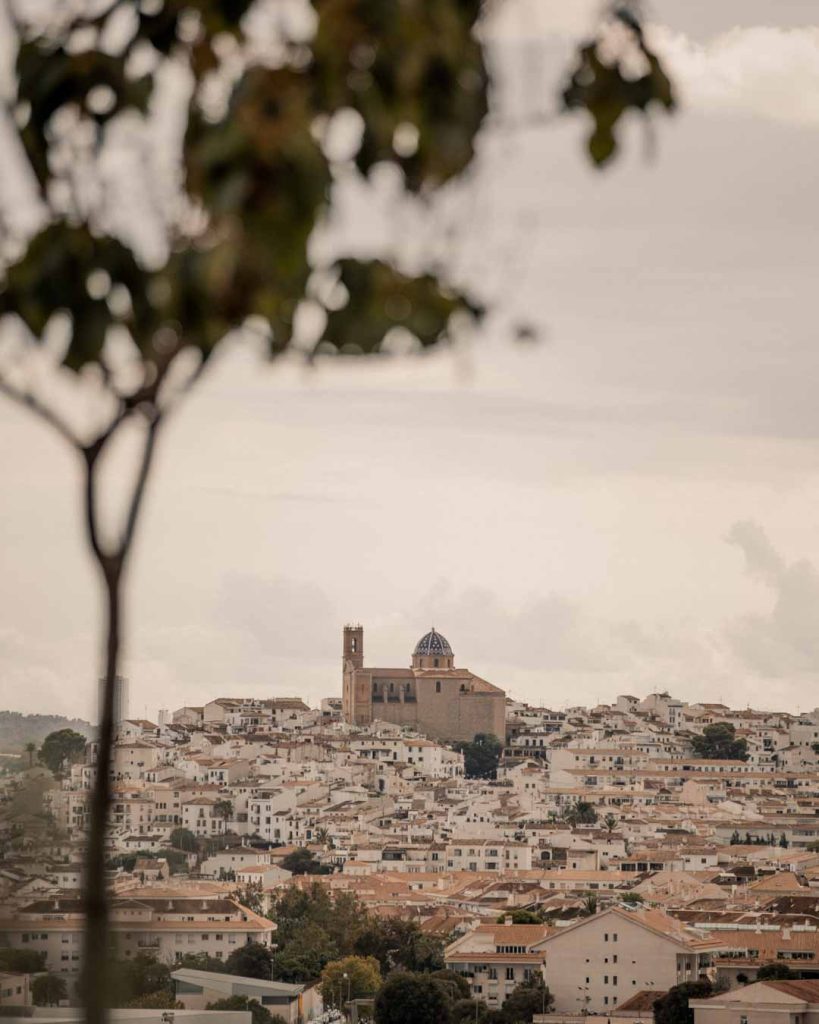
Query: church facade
{"points": [[432, 695]]}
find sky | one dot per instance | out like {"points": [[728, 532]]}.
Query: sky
{"points": [[629, 504]]}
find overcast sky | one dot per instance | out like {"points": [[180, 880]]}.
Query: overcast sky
{"points": [[631, 504]]}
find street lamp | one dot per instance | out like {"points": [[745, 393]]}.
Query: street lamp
{"points": [[348, 979]]}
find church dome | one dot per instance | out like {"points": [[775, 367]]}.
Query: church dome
{"points": [[432, 644]]}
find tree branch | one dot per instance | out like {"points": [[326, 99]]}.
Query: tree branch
{"points": [[29, 401], [154, 420]]}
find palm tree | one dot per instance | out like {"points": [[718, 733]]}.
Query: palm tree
{"points": [[589, 905], [322, 836], [31, 749], [610, 823], [224, 808]]}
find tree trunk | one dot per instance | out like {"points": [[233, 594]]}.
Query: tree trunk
{"points": [[96, 952]]}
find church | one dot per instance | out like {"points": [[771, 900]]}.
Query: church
{"points": [[432, 696]]}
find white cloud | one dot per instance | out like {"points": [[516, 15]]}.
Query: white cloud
{"points": [[760, 70], [784, 641]]}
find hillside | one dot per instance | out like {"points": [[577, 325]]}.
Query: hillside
{"points": [[17, 729]]}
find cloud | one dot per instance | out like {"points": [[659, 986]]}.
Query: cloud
{"points": [[786, 640], [761, 70]]}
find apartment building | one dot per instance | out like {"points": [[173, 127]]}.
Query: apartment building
{"points": [[167, 926], [497, 957], [601, 961]]}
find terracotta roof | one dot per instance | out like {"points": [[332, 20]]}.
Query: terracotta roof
{"points": [[807, 990]]}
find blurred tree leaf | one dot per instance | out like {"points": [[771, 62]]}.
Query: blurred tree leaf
{"points": [[381, 299], [607, 91], [414, 71], [58, 273]]}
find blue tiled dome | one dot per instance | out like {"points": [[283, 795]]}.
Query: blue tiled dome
{"points": [[433, 643]]}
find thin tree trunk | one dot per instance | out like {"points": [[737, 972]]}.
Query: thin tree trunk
{"points": [[96, 952], [95, 983]]}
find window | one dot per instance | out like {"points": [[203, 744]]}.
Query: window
{"points": [[435, 662], [606, 937], [437, 685], [493, 974], [614, 936], [743, 1019], [510, 973], [614, 979], [614, 959]]}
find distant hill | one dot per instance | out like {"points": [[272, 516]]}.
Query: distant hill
{"points": [[17, 729]]}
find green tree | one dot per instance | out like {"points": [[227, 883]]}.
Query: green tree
{"points": [[783, 841], [60, 749], [48, 990], [304, 862], [467, 1011], [31, 749], [718, 742], [352, 977], [130, 978], [610, 823], [527, 999], [672, 1008], [589, 904], [581, 812], [481, 756], [398, 943], [258, 1014], [456, 982], [21, 961], [201, 962], [304, 957], [183, 839], [405, 997], [253, 960], [224, 809], [520, 917], [774, 972]]}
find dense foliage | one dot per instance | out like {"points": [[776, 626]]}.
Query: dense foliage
{"points": [[672, 1008], [412, 997], [253, 960], [774, 971], [258, 1014], [481, 756], [61, 749], [352, 977], [48, 990], [718, 742], [316, 927], [304, 862]]}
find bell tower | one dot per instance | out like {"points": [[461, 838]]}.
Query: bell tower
{"points": [[354, 646], [352, 659]]}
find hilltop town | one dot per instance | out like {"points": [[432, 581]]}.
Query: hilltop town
{"points": [[599, 856]]}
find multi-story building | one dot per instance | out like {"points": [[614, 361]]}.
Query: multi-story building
{"points": [[165, 925], [497, 957]]}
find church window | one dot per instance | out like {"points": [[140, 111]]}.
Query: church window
{"points": [[437, 685], [354, 644], [435, 662]]}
